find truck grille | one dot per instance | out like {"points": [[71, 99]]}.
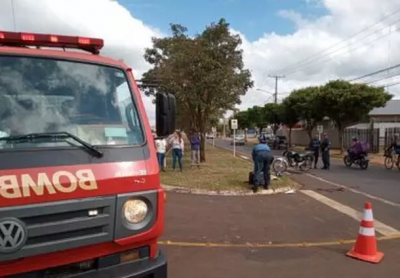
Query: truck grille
{"points": [[62, 225]]}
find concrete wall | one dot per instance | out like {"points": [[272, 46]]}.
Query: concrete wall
{"points": [[300, 137]]}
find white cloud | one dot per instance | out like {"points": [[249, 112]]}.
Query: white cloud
{"points": [[126, 37], [365, 53]]}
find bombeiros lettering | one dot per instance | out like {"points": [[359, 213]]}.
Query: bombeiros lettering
{"points": [[27, 185]]}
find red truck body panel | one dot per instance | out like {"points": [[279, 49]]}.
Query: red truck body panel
{"points": [[27, 186]]}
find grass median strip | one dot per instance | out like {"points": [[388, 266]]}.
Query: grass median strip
{"points": [[220, 172]]}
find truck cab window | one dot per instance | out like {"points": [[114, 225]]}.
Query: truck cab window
{"points": [[87, 100]]}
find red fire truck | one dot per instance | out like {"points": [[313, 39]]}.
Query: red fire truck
{"points": [[80, 191]]}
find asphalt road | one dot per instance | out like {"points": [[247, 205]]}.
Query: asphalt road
{"points": [[215, 236], [269, 221], [376, 180]]}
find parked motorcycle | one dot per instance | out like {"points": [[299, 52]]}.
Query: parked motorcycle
{"points": [[302, 160], [361, 160]]}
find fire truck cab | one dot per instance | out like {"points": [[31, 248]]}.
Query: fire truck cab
{"points": [[80, 192]]}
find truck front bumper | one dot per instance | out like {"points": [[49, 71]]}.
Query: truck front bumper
{"points": [[156, 268], [143, 268]]}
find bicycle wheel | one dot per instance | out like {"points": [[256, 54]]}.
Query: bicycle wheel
{"points": [[389, 163], [279, 165]]}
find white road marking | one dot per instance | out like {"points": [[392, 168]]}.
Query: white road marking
{"points": [[356, 191], [379, 226]]}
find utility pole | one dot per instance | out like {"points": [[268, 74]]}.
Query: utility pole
{"points": [[276, 77]]}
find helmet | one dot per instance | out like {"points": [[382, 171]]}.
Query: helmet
{"points": [[354, 138], [262, 140]]}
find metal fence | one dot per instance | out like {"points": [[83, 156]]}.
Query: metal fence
{"points": [[390, 135], [371, 136]]}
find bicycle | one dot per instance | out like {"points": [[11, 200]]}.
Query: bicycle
{"points": [[391, 158]]}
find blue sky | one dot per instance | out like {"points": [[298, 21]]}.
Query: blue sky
{"points": [[251, 17]]}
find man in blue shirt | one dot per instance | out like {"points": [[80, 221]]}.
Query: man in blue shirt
{"points": [[195, 146], [315, 145], [262, 158]]}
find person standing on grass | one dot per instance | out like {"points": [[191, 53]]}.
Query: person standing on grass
{"points": [[178, 147], [161, 147], [195, 147]]}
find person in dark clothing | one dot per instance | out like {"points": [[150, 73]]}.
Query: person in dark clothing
{"points": [[355, 149], [395, 146], [262, 158], [325, 152], [315, 145], [195, 147]]}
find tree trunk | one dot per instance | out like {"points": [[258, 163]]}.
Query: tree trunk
{"points": [[340, 139], [290, 137], [202, 148], [275, 128], [260, 130], [309, 132], [245, 135]]}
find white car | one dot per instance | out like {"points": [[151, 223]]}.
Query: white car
{"points": [[239, 140], [209, 136]]}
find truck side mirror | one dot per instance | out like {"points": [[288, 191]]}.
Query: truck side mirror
{"points": [[165, 114]]}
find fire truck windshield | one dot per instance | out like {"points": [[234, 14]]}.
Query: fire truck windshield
{"points": [[90, 101]]}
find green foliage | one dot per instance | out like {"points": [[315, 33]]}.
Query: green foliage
{"points": [[273, 115], [205, 73], [243, 119], [255, 116], [305, 102], [346, 103], [289, 114]]}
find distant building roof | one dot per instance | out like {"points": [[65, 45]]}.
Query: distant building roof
{"points": [[392, 108]]}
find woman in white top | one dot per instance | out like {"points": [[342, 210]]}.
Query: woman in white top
{"points": [[161, 146], [177, 149]]}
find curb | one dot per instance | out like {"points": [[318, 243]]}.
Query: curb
{"points": [[227, 193]]}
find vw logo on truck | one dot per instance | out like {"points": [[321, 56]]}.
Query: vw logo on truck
{"points": [[13, 235]]}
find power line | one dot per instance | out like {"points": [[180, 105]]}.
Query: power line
{"points": [[374, 73], [342, 41], [383, 78], [311, 62], [392, 84]]}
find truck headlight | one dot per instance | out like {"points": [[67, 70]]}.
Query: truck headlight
{"points": [[135, 211]]}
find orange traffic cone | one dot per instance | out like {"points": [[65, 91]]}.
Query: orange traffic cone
{"points": [[365, 248]]}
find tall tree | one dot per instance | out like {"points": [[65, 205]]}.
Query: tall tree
{"points": [[255, 116], [243, 119], [205, 72], [289, 115], [272, 113], [304, 101], [346, 103]]}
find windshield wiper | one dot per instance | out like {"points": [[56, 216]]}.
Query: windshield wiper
{"points": [[54, 136]]}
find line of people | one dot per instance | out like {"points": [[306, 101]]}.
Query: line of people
{"points": [[322, 147], [177, 145]]}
